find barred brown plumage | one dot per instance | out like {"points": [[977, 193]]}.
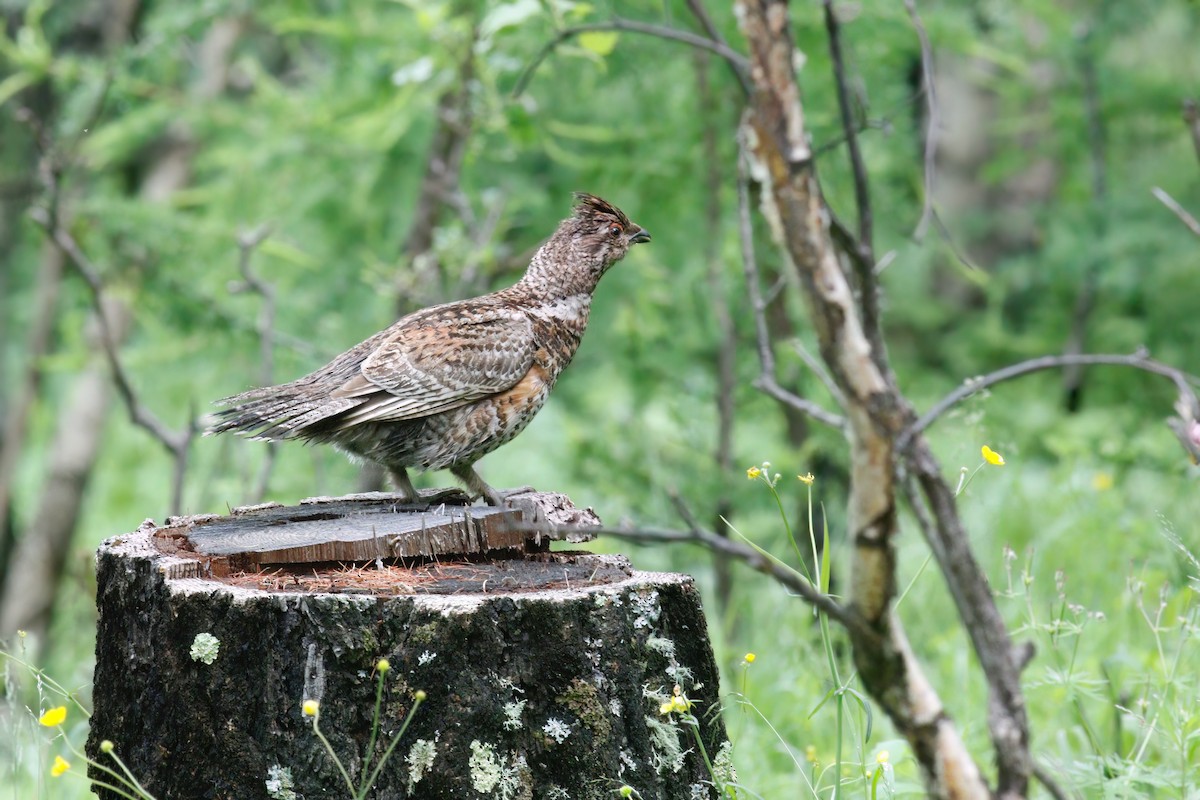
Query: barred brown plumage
{"points": [[446, 385]]}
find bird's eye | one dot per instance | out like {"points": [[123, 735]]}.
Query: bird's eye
{"points": [[614, 229]]}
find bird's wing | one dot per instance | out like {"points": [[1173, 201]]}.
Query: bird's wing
{"points": [[436, 363]]}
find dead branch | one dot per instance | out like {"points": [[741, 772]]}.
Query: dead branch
{"points": [[876, 413], [971, 386], [863, 247], [176, 443], [767, 382], [439, 188], [819, 370], [702, 16], [850, 128], [1046, 779], [248, 242], [932, 121], [1191, 116], [726, 344], [1085, 300], [735, 60], [999, 661], [1187, 219], [767, 565]]}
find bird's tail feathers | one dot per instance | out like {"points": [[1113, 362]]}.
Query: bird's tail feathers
{"points": [[275, 412]]}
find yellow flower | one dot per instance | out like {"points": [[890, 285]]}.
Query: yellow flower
{"points": [[667, 707], [810, 754], [807, 479], [680, 703], [1102, 481], [883, 757], [992, 457], [53, 717], [749, 658], [310, 708], [60, 766], [382, 665], [753, 473]]}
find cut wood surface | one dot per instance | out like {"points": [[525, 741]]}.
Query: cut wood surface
{"points": [[366, 527], [544, 672]]}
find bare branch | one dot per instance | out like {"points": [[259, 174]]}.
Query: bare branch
{"points": [[1000, 662], [1178, 210], [248, 242], [787, 577], [973, 385], [726, 343], [440, 188], [176, 443], [932, 120], [1046, 779], [948, 238], [813, 363], [1191, 116], [1085, 300], [702, 16], [862, 194], [736, 61], [862, 249], [766, 381]]}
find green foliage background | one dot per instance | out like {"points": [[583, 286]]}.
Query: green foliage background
{"points": [[323, 134]]}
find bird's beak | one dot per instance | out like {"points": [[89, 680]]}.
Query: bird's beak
{"points": [[642, 235]]}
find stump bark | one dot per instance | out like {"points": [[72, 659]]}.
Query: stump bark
{"points": [[543, 672]]}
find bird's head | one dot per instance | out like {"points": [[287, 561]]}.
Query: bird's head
{"points": [[596, 236]]}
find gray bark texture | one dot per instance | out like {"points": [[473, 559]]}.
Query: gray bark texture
{"points": [[545, 692]]}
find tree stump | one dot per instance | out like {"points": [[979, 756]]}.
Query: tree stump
{"points": [[544, 672]]}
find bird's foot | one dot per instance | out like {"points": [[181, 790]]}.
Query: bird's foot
{"points": [[404, 487], [479, 488]]}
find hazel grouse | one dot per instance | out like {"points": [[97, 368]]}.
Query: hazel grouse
{"points": [[446, 385]]}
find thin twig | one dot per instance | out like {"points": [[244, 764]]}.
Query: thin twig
{"points": [[767, 381], [948, 238], [862, 193], [1178, 210], [848, 243], [681, 508], [247, 243], [726, 343], [737, 62], [863, 247], [1047, 781], [932, 120], [814, 363], [177, 443], [1191, 116], [746, 554], [702, 16], [1085, 300], [973, 385]]}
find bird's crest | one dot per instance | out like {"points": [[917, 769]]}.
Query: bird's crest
{"points": [[588, 205]]}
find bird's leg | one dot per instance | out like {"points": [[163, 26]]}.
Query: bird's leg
{"points": [[404, 484], [476, 485]]}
